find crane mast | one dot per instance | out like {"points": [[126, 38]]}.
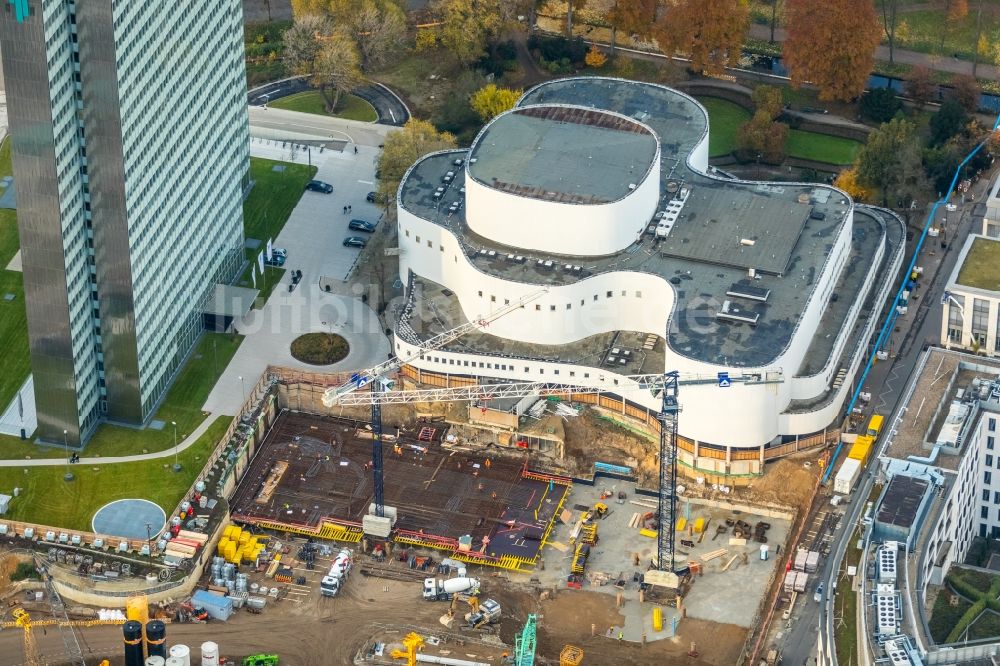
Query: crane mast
{"points": [[667, 504]]}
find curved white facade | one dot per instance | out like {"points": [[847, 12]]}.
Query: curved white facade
{"points": [[562, 229], [641, 289], [558, 218]]}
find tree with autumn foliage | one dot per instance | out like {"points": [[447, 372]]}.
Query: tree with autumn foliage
{"points": [[831, 44], [633, 17], [709, 32], [920, 86], [404, 147], [595, 57], [848, 181], [490, 101], [762, 137]]}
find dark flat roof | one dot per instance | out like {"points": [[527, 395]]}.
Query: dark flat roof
{"points": [[793, 227], [563, 153], [901, 501]]}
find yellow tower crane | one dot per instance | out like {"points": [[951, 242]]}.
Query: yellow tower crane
{"points": [[23, 620]]}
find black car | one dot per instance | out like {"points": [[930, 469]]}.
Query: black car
{"points": [[355, 241], [319, 186], [361, 225], [375, 198], [275, 260]]}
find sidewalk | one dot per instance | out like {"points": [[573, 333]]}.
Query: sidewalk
{"points": [[166, 453], [900, 56]]}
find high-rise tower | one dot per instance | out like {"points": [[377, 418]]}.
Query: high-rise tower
{"points": [[130, 151]]}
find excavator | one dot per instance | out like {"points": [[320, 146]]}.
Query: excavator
{"points": [[479, 614]]}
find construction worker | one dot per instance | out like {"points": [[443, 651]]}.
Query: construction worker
{"points": [[621, 635], [487, 463], [493, 495]]}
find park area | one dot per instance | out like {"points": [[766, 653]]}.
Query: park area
{"points": [[725, 119], [967, 607], [349, 107]]}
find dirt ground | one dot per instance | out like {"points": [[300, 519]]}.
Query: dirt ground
{"points": [[567, 616]]}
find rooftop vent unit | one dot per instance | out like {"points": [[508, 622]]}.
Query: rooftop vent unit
{"points": [[951, 429], [730, 312], [748, 242]]}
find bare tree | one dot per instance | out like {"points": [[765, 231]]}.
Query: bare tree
{"points": [[302, 43], [337, 69], [380, 31], [889, 10]]}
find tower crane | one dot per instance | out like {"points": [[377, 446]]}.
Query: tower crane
{"points": [[375, 378], [665, 386]]}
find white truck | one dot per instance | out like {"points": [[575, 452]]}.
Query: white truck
{"points": [[441, 590], [334, 579], [847, 476]]}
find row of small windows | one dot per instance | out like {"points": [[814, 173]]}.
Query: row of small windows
{"points": [[509, 367]]}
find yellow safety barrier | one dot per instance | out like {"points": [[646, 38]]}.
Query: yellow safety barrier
{"points": [[657, 619]]}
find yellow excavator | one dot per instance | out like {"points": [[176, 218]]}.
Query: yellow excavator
{"points": [[479, 614]]}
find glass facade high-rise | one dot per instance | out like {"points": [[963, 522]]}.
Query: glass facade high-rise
{"points": [[130, 151]]}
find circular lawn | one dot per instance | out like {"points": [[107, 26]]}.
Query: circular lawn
{"points": [[320, 348]]}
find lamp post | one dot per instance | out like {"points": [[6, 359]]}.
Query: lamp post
{"points": [[177, 465], [68, 476], [243, 387], [149, 541]]}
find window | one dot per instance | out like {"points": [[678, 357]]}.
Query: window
{"points": [[986, 495], [595, 297], [493, 299], [609, 294], [582, 301], [441, 247], [506, 301], [980, 319], [638, 294], [956, 308], [984, 513], [407, 233], [418, 239], [556, 372], [987, 478], [989, 460], [623, 292], [996, 496], [990, 441], [552, 308], [527, 369], [430, 244], [569, 305], [480, 294], [541, 371], [572, 373], [537, 307], [991, 425], [465, 363]]}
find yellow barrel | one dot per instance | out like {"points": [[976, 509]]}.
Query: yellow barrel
{"points": [[648, 533], [657, 619]]}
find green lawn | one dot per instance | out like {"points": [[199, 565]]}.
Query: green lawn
{"points": [[821, 147], [725, 119], [349, 107], [924, 28], [273, 197], [980, 267], [845, 605], [182, 404], [13, 337], [944, 616], [46, 498], [987, 626], [266, 284]]}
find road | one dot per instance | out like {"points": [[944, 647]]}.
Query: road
{"points": [[886, 381], [281, 124]]}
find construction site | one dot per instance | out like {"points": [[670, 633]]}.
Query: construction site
{"points": [[313, 476]]}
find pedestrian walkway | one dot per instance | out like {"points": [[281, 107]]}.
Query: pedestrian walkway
{"points": [[900, 56]]}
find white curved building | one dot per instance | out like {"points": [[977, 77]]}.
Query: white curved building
{"points": [[599, 191]]}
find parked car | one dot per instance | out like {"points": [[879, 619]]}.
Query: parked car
{"points": [[375, 198], [818, 597], [275, 260], [279, 252], [355, 241], [951, 208], [361, 225], [319, 186]]}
